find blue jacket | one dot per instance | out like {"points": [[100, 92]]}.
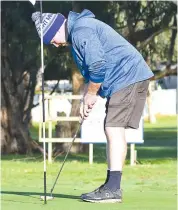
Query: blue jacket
{"points": [[104, 56]]}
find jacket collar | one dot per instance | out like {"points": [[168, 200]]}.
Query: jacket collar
{"points": [[73, 17]]}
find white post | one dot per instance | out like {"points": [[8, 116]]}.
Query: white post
{"points": [[135, 157], [132, 154], [40, 121], [91, 153], [50, 143], [151, 115], [41, 124], [49, 132]]}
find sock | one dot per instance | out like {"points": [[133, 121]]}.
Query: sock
{"points": [[114, 180], [107, 178]]}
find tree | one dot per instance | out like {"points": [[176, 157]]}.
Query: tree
{"points": [[142, 23], [19, 68], [20, 65], [146, 24]]}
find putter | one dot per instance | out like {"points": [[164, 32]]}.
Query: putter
{"points": [[51, 195]]}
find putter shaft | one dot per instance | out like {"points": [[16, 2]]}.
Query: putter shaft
{"points": [[66, 157]]}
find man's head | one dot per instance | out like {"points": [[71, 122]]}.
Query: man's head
{"points": [[53, 26]]}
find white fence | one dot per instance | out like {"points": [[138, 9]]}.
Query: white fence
{"points": [[134, 136], [163, 103]]}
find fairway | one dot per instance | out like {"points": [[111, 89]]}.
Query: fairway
{"points": [[151, 185]]}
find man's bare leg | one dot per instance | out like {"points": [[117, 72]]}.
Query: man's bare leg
{"points": [[116, 153]]}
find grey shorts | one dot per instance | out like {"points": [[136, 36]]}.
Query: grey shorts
{"points": [[124, 108]]}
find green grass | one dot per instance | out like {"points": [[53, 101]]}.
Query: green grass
{"points": [[150, 185]]}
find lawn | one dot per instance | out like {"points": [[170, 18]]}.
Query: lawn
{"points": [[150, 185]]}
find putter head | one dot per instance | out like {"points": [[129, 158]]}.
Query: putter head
{"points": [[48, 198]]}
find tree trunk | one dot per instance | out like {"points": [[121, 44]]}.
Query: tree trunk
{"points": [[77, 84], [173, 39], [17, 84], [151, 116], [17, 91], [15, 135], [68, 129]]}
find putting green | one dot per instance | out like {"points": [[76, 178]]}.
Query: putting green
{"points": [[145, 187], [151, 185]]}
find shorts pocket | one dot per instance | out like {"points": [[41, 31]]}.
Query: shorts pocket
{"points": [[143, 86], [143, 89], [123, 96]]}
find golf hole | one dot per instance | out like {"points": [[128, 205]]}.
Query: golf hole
{"points": [[48, 198]]}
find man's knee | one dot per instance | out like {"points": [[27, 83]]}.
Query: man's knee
{"points": [[114, 133]]}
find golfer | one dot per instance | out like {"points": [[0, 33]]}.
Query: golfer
{"points": [[112, 69]]}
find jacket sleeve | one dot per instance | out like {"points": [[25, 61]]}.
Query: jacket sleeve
{"points": [[90, 48]]}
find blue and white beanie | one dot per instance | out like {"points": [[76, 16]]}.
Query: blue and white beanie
{"points": [[51, 23]]}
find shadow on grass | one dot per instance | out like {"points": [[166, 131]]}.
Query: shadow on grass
{"points": [[34, 194]]}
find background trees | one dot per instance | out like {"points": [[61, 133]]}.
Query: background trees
{"points": [[151, 26], [20, 64]]}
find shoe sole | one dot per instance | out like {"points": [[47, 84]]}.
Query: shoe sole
{"points": [[104, 201]]}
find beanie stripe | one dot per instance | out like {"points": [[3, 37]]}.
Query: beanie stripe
{"points": [[52, 30], [51, 23]]}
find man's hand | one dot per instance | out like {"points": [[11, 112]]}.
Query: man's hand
{"points": [[87, 111], [89, 99], [88, 103]]}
